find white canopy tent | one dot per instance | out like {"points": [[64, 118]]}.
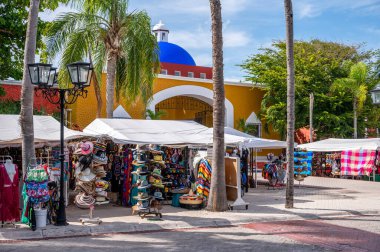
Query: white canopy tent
{"points": [[164, 132], [337, 144], [46, 131], [255, 142]]}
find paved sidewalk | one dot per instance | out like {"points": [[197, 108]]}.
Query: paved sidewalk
{"points": [[316, 198]]}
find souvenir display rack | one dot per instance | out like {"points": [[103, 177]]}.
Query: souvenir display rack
{"points": [[147, 183], [302, 163]]}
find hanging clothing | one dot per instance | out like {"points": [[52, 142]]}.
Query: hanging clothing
{"points": [[127, 182], [9, 196], [204, 178]]}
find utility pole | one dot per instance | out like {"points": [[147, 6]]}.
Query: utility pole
{"points": [[311, 116]]}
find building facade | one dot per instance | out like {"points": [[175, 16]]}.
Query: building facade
{"points": [[182, 91]]}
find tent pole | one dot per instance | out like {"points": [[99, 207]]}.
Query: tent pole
{"points": [[256, 168]]}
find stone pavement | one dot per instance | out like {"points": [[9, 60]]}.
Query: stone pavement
{"points": [[316, 198]]}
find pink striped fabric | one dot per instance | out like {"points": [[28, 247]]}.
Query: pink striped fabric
{"points": [[357, 162]]}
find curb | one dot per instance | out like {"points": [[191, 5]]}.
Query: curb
{"points": [[84, 231]]}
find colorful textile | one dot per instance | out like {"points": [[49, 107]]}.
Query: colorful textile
{"points": [[204, 178], [357, 162], [36, 185], [128, 158]]}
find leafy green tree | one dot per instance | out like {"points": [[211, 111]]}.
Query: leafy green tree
{"points": [[317, 65], [356, 86], [115, 40], [13, 22]]}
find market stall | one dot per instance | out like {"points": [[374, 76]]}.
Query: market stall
{"points": [[254, 144], [44, 168], [344, 157], [174, 139]]}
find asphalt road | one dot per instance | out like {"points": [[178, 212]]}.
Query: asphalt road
{"points": [[359, 234]]}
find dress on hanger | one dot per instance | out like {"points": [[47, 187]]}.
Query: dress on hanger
{"points": [[9, 196]]}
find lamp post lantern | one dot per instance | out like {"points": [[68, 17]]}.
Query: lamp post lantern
{"points": [[45, 77], [375, 95]]}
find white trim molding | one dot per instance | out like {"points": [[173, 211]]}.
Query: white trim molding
{"points": [[201, 93]]}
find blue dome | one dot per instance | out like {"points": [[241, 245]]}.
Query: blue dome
{"points": [[171, 53]]}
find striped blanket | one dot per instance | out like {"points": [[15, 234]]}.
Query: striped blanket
{"points": [[357, 162]]}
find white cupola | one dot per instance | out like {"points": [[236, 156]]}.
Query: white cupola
{"points": [[161, 32]]}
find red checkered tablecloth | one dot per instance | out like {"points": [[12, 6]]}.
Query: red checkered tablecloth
{"points": [[357, 162]]}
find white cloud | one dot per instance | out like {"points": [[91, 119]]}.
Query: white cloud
{"points": [[235, 39], [307, 11], [201, 39], [194, 7], [311, 8], [204, 59]]}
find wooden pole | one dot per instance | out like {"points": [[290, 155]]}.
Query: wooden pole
{"points": [[311, 117]]}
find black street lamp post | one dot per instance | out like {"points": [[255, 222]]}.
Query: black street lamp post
{"points": [[375, 95], [45, 77]]}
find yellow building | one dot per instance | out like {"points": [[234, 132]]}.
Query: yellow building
{"points": [[183, 91]]}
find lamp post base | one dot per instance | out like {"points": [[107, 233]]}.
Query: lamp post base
{"points": [[61, 215]]}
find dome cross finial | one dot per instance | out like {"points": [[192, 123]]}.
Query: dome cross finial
{"points": [[161, 32]]}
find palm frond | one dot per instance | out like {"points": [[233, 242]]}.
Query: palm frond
{"points": [[99, 54], [358, 72], [361, 96], [138, 62], [76, 49]]}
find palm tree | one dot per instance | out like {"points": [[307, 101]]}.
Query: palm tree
{"points": [[118, 41], [290, 103], [357, 86], [155, 115], [27, 91], [218, 198]]}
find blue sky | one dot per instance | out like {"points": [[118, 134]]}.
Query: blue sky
{"points": [[252, 24]]}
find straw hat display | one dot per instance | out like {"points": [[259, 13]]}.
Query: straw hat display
{"points": [[88, 168], [84, 201]]}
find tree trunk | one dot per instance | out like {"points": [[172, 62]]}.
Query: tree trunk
{"points": [[110, 88], [98, 95], [27, 90], [217, 199], [290, 104], [311, 117], [355, 105], [98, 92]]}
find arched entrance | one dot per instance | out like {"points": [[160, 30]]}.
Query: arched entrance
{"points": [[200, 93], [186, 108]]}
